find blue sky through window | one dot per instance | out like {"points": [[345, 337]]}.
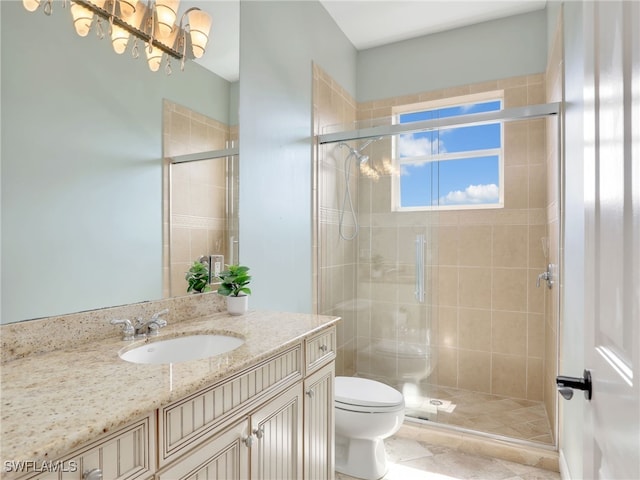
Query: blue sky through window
{"points": [[452, 166]]}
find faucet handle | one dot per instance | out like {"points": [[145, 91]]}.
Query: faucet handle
{"points": [[157, 315], [155, 325], [127, 327]]}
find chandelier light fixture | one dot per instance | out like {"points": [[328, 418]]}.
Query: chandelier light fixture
{"points": [[152, 23]]}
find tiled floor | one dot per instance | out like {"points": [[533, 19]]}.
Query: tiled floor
{"points": [[511, 417], [414, 460]]}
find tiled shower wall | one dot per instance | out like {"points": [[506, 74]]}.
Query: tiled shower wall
{"points": [[490, 326], [198, 194], [335, 272]]}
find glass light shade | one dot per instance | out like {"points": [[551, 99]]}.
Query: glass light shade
{"points": [[154, 58], [199, 27], [99, 3], [166, 11], [31, 5], [82, 18], [127, 8], [119, 39]]}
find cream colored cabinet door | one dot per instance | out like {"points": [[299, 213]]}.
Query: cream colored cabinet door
{"points": [[319, 455], [223, 457], [126, 454], [276, 452]]}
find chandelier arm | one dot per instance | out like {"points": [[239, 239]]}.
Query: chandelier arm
{"points": [[169, 50]]}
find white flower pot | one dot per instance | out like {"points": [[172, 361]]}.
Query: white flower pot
{"points": [[237, 305]]}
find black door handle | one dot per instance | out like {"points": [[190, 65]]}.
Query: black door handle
{"points": [[566, 385]]}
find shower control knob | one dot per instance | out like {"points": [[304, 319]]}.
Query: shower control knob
{"points": [[566, 385]]}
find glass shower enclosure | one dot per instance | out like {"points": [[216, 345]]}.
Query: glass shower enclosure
{"points": [[439, 300]]}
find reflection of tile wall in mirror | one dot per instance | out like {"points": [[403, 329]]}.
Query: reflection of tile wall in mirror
{"points": [[198, 194]]}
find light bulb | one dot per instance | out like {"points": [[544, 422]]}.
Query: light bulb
{"points": [[166, 11], [82, 18], [31, 5], [119, 39], [154, 58], [199, 27]]}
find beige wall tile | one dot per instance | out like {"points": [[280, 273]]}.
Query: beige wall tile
{"points": [[474, 245], [474, 329], [535, 335], [474, 287], [510, 289], [510, 245], [509, 333], [474, 371], [448, 245], [448, 286], [537, 243], [515, 143], [538, 186], [446, 371], [516, 187], [535, 378], [536, 295], [447, 326], [509, 375]]}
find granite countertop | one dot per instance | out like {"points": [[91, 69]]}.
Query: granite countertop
{"points": [[56, 401]]}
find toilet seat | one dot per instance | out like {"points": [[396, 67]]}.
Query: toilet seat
{"points": [[363, 395]]}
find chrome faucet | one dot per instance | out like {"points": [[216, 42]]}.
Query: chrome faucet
{"points": [[128, 331], [149, 329], [142, 329]]}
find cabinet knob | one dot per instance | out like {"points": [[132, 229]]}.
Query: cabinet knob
{"points": [[94, 474], [248, 441], [310, 393], [323, 348], [259, 432]]}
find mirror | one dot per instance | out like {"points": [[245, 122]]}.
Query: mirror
{"points": [[82, 168]]}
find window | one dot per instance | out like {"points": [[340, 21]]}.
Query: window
{"points": [[459, 167]]}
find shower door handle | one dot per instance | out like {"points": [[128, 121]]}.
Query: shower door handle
{"points": [[419, 292]]}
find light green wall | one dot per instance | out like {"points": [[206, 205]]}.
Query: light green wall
{"points": [[279, 41], [503, 48], [82, 165]]}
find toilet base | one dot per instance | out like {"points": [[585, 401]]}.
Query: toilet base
{"points": [[361, 458]]}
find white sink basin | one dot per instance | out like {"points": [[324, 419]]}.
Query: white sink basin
{"points": [[181, 349]]}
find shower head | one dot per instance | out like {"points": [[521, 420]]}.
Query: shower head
{"points": [[357, 153]]}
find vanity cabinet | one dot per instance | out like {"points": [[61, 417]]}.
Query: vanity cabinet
{"points": [[126, 454], [319, 455], [271, 421]]}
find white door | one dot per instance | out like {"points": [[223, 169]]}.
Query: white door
{"points": [[612, 243]]}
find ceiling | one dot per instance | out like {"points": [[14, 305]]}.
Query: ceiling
{"points": [[367, 23]]}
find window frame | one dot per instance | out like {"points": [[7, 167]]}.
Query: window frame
{"points": [[462, 100]]}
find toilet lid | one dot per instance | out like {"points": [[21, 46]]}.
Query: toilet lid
{"points": [[366, 393]]}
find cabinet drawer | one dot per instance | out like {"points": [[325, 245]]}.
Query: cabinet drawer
{"points": [[320, 348], [126, 454], [193, 420]]}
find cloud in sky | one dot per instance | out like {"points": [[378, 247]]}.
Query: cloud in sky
{"points": [[410, 146], [473, 194]]}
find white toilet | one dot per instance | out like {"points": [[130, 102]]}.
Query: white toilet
{"points": [[366, 412]]}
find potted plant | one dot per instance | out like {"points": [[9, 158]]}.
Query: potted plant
{"points": [[198, 278], [234, 286]]}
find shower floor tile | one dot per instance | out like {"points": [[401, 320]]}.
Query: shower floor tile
{"points": [[513, 417]]}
